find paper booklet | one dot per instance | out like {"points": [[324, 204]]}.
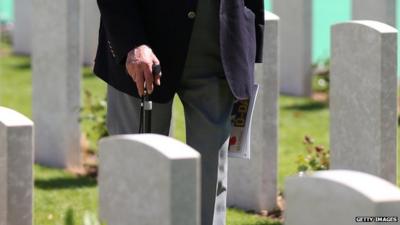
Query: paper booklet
{"points": [[241, 117]]}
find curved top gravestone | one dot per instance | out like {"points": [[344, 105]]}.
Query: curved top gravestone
{"points": [[268, 16], [149, 178], [363, 98], [339, 197], [365, 184], [11, 118], [368, 24]]}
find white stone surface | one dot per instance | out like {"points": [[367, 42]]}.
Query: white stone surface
{"points": [[380, 10], [295, 50], [56, 82], [149, 178], [90, 20], [252, 184], [22, 33], [90, 31], [336, 197], [363, 98], [16, 168]]}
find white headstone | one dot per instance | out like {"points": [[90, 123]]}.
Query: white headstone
{"points": [[22, 33], [252, 184], [90, 30], [338, 198], [56, 82], [295, 49], [149, 178], [16, 168], [363, 98], [380, 10], [90, 19]]}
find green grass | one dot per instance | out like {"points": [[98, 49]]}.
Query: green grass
{"points": [[61, 197], [299, 117], [15, 83]]}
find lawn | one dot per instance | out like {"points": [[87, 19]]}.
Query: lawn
{"points": [[60, 197], [63, 198]]}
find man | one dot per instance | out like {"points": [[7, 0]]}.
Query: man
{"points": [[206, 49]]}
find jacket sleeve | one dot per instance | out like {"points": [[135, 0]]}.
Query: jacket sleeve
{"points": [[123, 26], [257, 6]]}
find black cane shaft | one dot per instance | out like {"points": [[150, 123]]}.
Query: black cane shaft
{"points": [[142, 120], [147, 106], [148, 121]]}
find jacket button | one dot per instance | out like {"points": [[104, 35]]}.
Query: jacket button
{"points": [[191, 15]]}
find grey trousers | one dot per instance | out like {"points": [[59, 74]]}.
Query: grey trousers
{"points": [[207, 102]]}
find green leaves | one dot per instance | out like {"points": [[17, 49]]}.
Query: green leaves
{"points": [[93, 118], [316, 157]]}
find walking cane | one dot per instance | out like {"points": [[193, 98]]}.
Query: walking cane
{"points": [[146, 106]]}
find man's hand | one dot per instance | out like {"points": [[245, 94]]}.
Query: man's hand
{"points": [[139, 63]]}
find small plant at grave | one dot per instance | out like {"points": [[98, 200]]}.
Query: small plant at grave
{"points": [[93, 119], [321, 71], [316, 157]]}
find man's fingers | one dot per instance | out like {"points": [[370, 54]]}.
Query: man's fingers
{"points": [[156, 68], [130, 69], [139, 65], [149, 87], [149, 77], [155, 60], [134, 72], [157, 80], [140, 84]]}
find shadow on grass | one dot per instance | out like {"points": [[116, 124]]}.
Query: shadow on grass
{"points": [[309, 106], [22, 66], [65, 183], [18, 62]]}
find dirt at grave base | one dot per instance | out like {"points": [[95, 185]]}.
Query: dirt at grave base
{"points": [[89, 166], [275, 214]]}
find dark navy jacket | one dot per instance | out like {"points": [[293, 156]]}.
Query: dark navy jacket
{"points": [[165, 26]]}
